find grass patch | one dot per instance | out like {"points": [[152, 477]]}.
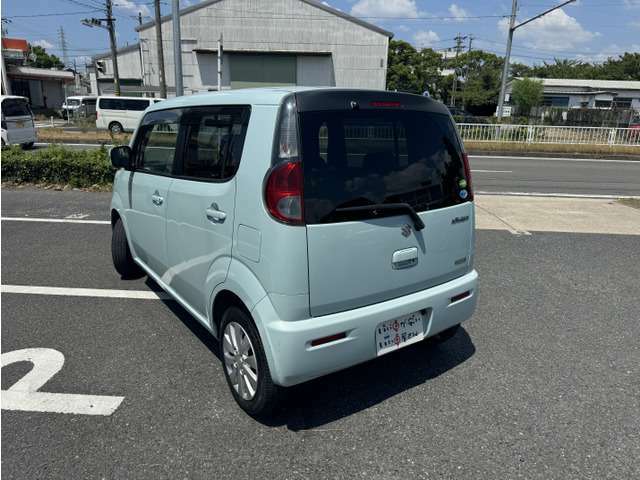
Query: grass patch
{"points": [[58, 135], [517, 147], [56, 165], [630, 202]]}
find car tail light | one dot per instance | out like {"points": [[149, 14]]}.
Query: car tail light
{"points": [[284, 184], [467, 174], [283, 192]]}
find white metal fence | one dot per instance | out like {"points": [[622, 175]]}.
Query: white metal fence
{"points": [[478, 132]]}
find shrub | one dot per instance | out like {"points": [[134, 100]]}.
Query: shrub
{"points": [[57, 165]]}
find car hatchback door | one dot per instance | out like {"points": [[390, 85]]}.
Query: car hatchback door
{"points": [[154, 152], [200, 216]]}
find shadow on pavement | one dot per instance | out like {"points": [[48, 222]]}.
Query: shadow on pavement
{"points": [[341, 394]]}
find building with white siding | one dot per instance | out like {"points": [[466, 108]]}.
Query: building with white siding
{"points": [[265, 43]]}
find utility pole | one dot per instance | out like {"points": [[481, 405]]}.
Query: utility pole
{"points": [[114, 52], [177, 46], [160, 53], [220, 63], [466, 70], [6, 86], [63, 47], [458, 48], [512, 28], [109, 26]]}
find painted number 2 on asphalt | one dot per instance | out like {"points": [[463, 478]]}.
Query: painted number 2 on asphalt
{"points": [[24, 395]]}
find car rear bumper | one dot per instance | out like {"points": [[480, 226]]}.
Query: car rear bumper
{"points": [[293, 360]]}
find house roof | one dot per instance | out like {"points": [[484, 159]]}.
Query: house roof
{"points": [[314, 3], [590, 84], [43, 73], [127, 49], [15, 44]]}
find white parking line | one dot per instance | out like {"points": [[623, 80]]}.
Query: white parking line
{"points": [[562, 195], [558, 159], [85, 292], [54, 220], [491, 171]]}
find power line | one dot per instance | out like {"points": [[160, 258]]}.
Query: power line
{"points": [[58, 14]]}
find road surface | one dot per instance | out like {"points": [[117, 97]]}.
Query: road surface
{"points": [[555, 175]]}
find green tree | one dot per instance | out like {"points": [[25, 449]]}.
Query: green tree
{"points": [[402, 67], [38, 57], [526, 94]]}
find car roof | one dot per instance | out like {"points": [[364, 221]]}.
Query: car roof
{"points": [[257, 96], [127, 98]]}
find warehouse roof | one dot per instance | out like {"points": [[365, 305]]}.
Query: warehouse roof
{"points": [[590, 84], [315, 3]]}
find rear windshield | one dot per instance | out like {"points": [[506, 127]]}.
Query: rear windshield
{"points": [[364, 157], [15, 108]]}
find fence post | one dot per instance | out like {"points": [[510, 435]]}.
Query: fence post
{"points": [[51, 121], [530, 134], [612, 137]]}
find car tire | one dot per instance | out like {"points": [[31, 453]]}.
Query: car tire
{"points": [[27, 146], [121, 254], [447, 334], [266, 395], [116, 128]]}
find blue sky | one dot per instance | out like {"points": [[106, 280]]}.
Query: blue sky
{"points": [[588, 29]]}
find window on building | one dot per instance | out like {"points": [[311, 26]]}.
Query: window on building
{"points": [[622, 102], [555, 101], [603, 103]]}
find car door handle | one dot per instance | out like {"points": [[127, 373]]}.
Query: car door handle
{"points": [[214, 214], [157, 199]]}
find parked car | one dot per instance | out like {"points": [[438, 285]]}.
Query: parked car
{"points": [[307, 229], [18, 127], [82, 106], [461, 114], [121, 114]]}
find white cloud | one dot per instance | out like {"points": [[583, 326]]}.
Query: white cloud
{"points": [[556, 31], [43, 43], [132, 7], [425, 38], [632, 3], [458, 12], [385, 8]]}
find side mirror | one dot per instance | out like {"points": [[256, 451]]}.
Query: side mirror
{"points": [[121, 157]]}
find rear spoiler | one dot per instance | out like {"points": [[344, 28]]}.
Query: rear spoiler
{"points": [[346, 99]]}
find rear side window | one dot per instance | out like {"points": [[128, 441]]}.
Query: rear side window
{"points": [[15, 108], [214, 140], [364, 157], [156, 143], [123, 104]]}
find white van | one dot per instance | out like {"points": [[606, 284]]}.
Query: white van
{"points": [[80, 106], [120, 114], [17, 122]]}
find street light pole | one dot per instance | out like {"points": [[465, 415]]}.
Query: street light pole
{"points": [[512, 28], [177, 46]]}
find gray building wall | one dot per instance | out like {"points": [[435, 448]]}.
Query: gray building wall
{"points": [[330, 49]]}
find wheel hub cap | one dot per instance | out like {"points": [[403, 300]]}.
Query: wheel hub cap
{"points": [[240, 360]]}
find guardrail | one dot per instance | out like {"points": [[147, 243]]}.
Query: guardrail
{"points": [[478, 132]]}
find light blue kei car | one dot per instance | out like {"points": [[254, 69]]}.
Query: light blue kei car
{"points": [[309, 229]]}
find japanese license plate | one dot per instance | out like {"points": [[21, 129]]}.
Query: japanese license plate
{"points": [[399, 332]]}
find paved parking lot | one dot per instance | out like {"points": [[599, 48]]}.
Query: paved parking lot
{"points": [[544, 381]]}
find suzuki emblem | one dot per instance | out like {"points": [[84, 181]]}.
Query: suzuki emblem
{"points": [[406, 230]]}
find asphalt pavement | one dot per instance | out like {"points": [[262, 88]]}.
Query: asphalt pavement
{"points": [[567, 176], [543, 382]]}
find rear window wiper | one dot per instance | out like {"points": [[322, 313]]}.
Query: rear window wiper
{"points": [[387, 207]]}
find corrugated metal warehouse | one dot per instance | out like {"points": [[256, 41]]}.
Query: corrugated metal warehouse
{"points": [[265, 43]]}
